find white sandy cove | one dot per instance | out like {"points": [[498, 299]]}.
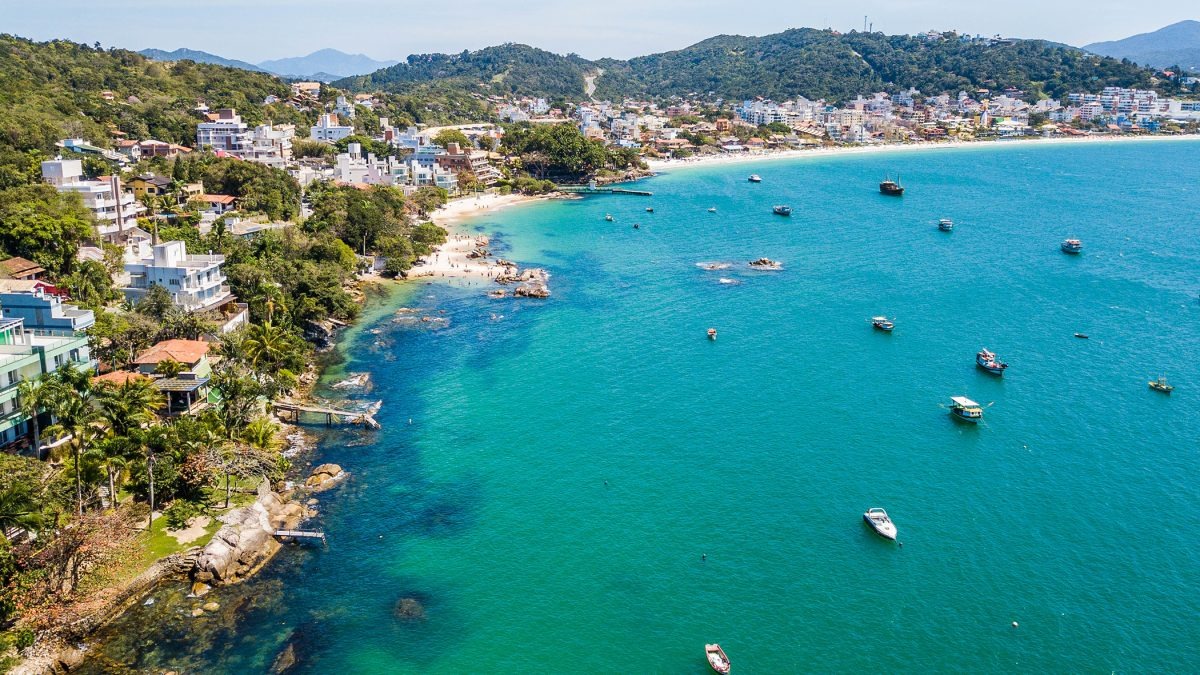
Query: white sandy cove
{"points": [[710, 160], [450, 261]]}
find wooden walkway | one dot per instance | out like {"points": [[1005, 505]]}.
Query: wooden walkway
{"points": [[344, 416], [302, 534]]}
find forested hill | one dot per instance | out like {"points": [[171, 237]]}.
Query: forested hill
{"points": [[505, 69], [806, 62], [50, 90]]}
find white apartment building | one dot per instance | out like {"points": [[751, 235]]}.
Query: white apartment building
{"points": [[344, 108], [328, 130], [270, 145], [195, 282], [353, 167], [116, 210], [224, 131]]}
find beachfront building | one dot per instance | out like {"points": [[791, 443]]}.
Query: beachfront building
{"points": [[328, 130], [415, 171], [457, 160], [26, 353], [188, 392], [116, 210], [224, 132], [195, 282]]}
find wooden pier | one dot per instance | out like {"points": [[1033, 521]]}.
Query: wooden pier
{"points": [[366, 419], [302, 534]]}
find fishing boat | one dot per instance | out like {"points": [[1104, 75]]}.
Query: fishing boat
{"points": [[1072, 246], [891, 187], [712, 333], [883, 323], [608, 217], [946, 225], [1161, 385], [965, 409], [989, 362], [717, 659], [782, 210], [765, 264], [755, 178], [879, 521]]}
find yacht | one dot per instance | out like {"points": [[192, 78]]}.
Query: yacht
{"points": [[1072, 246], [883, 323], [782, 210], [989, 362], [755, 178], [946, 225], [965, 409], [879, 521], [712, 333]]}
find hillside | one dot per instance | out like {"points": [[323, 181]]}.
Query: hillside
{"points": [[198, 57], [328, 64], [51, 90], [806, 62], [1174, 45]]}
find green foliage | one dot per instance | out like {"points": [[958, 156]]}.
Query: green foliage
{"points": [[448, 136], [41, 224], [90, 285], [562, 151], [181, 511], [361, 218], [259, 189], [369, 145]]}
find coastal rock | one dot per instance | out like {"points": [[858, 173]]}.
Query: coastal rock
{"points": [[409, 609], [210, 606], [324, 477], [246, 540], [197, 612], [200, 589], [286, 659]]}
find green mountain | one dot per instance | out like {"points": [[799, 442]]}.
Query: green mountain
{"points": [[1174, 45], [198, 57], [805, 62], [52, 90]]}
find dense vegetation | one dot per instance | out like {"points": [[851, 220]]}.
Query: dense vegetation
{"points": [[804, 62], [561, 152]]}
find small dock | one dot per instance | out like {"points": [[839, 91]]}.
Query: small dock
{"points": [[331, 416], [590, 189], [303, 534]]}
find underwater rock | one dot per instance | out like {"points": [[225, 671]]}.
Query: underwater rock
{"points": [[286, 659], [409, 609], [200, 589]]}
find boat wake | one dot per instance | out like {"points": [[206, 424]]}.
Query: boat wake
{"points": [[728, 281]]}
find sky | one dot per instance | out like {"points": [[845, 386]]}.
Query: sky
{"points": [[393, 29]]}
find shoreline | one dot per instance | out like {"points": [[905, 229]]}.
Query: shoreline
{"points": [[460, 257], [666, 165]]}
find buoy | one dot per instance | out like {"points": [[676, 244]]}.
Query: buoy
{"points": [[1015, 624]]}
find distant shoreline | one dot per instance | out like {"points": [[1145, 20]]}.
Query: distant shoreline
{"points": [[664, 165]]}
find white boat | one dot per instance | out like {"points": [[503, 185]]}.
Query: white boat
{"points": [[717, 659], [1072, 246], [883, 323], [946, 225], [608, 217], [712, 209], [988, 360], [879, 521], [755, 178], [965, 409]]}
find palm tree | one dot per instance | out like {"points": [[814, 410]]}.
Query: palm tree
{"points": [[19, 509], [266, 345], [126, 408], [32, 396], [71, 399]]}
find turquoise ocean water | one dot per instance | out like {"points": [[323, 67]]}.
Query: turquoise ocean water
{"points": [[570, 460]]}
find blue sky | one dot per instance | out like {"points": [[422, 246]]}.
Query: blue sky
{"points": [[265, 29]]}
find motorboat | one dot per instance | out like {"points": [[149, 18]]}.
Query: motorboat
{"points": [[1072, 246], [608, 217], [717, 659], [946, 225], [755, 178], [712, 333], [890, 187], [1081, 336], [1161, 385], [782, 210], [765, 264], [879, 521], [649, 209], [965, 409], [712, 209], [989, 362], [883, 323], [636, 226]]}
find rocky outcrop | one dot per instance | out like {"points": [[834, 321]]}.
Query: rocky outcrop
{"points": [[409, 609], [247, 540], [324, 477], [534, 282]]}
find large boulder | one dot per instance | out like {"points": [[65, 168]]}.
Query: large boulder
{"points": [[324, 477], [247, 539]]}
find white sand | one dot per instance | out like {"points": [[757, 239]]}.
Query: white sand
{"points": [[450, 261], [743, 158]]}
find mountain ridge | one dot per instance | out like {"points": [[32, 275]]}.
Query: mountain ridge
{"points": [[1175, 45]]}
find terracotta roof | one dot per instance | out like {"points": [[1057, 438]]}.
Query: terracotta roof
{"points": [[119, 377], [186, 352], [217, 199], [19, 267]]}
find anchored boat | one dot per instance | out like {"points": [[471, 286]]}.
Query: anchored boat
{"points": [[755, 178], [608, 217], [1161, 385], [965, 409], [717, 659], [1072, 246], [989, 362], [879, 521], [712, 333], [782, 210], [883, 323], [946, 225], [892, 188]]}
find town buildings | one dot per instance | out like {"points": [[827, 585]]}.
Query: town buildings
{"points": [[224, 132], [195, 282], [116, 209], [328, 130]]}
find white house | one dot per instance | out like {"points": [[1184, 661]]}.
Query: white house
{"points": [[115, 209], [328, 130], [195, 282], [224, 131]]}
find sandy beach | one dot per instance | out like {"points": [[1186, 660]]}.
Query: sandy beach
{"points": [[742, 158]]}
